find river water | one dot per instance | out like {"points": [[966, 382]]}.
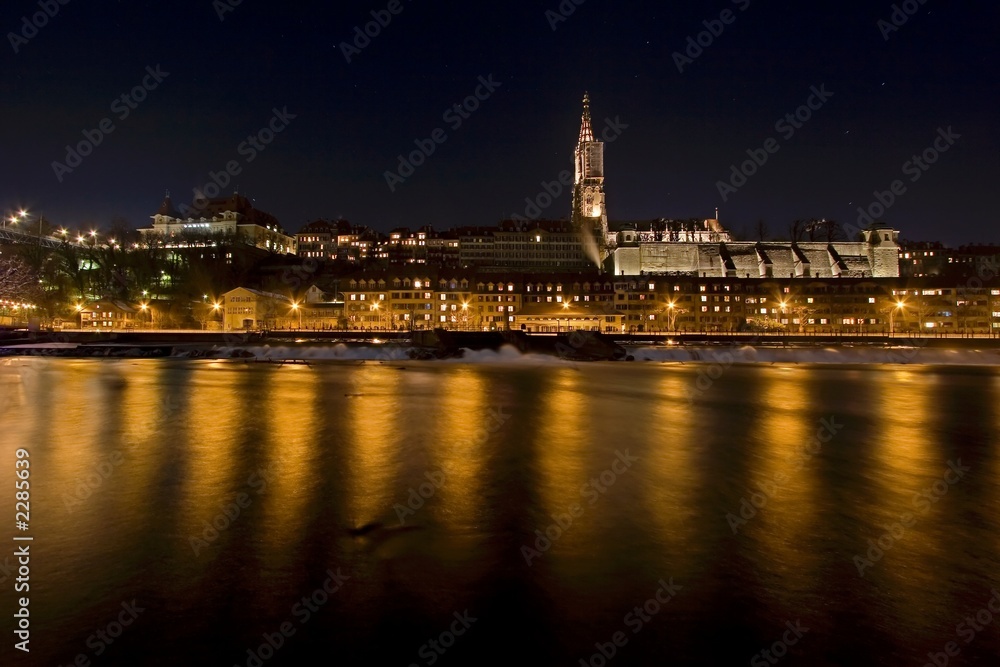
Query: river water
{"points": [[529, 512]]}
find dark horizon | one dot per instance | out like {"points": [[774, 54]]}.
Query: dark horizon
{"points": [[213, 77]]}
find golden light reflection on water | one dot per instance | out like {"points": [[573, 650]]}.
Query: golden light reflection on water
{"points": [[74, 439], [374, 438], [459, 446], [904, 462], [564, 448], [209, 434], [289, 462], [674, 479], [785, 475]]}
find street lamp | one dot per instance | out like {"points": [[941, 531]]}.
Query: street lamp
{"points": [[295, 308], [899, 305]]}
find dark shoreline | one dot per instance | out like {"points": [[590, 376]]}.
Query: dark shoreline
{"points": [[579, 346]]}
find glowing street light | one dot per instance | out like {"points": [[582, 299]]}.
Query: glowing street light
{"points": [[899, 305]]}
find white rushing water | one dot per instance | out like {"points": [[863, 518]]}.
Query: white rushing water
{"points": [[719, 354]]}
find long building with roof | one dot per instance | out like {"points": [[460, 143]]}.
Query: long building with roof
{"points": [[234, 216], [704, 248]]}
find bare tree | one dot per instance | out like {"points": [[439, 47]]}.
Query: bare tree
{"points": [[761, 230], [17, 280], [797, 229]]}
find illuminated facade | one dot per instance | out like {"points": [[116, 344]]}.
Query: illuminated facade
{"points": [[589, 215], [232, 217], [244, 309]]}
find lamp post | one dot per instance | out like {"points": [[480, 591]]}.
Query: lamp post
{"points": [[892, 313]]}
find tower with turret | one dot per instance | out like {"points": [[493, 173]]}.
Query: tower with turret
{"points": [[589, 208]]}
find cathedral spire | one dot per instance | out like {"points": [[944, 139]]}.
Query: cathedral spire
{"points": [[586, 132]]}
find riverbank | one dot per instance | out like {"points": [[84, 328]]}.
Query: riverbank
{"points": [[712, 348]]}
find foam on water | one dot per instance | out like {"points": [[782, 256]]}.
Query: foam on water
{"points": [[828, 355], [725, 354]]}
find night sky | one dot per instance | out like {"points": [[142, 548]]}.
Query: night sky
{"points": [[225, 78]]}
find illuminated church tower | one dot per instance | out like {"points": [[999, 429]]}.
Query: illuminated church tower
{"points": [[589, 211]]}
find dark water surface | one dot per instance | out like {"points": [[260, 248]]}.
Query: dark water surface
{"points": [[647, 466]]}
